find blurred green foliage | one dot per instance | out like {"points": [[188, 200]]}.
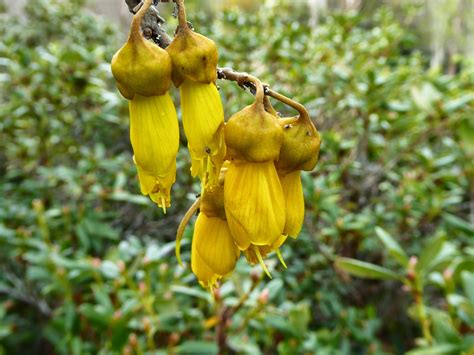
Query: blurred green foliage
{"points": [[87, 264]]}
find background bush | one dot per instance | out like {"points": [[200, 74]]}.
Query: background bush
{"points": [[87, 264]]}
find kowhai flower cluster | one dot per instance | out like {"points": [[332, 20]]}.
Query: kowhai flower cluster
{"points": [[249, 167]]}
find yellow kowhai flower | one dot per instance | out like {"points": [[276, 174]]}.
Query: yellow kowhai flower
{"points": [[143, 74], [299, 151], [254, 203], [213, 251], [203, 121], [194, 59], [154, 134], [294, 199], [253, 196]]}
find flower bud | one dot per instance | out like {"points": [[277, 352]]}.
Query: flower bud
{"points": [[140, 66], [300, 146], [194, 57], [253, 135]]}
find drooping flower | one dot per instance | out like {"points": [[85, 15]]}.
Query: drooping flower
{"points": [[255, 205], [253, 196], [299, 151], [143, 74], [154, 134], [194, 59], [213, 251], [203, 121]]}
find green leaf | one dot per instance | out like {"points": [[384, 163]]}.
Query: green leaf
{"points": [[466, 135], [110, 269], [197, 347], [128, 197], [299, 317], [465, 264], [432, 249], [456, 222], [243, 345], [443, 328], [274, 288], [468, 285], [365, 270], [281, 324], [191, 292], [456, 104], [439, 349], [394, 249]]}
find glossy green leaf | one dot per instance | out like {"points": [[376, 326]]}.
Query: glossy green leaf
{"points": [[429, 253], [197, 347], [365, 270], [468, 285], [394, 249]]}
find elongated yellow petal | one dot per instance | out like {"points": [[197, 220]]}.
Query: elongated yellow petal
{"points": [[293, 191], [154, 134], [254, 202], [203, 121], [214, 244], [207, 278]]}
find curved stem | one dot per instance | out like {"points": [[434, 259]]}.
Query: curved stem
{"points": [[183, 23], [246, 80], [304, 114], [137, 19], [268, 106], [182, 226], [260, 91]]}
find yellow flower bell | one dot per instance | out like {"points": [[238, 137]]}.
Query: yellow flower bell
{"points": [[194, 59], [299, 151], [143, 74], [154, 134], [253, 196], [254, 203], [203, 121], [213, 252], [294, 199]]}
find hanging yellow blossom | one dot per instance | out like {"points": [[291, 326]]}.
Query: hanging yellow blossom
{"points": [[213, 251], [194, 59], [143, 74]]}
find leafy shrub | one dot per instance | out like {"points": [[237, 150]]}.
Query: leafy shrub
{"points": [[87, 263]]}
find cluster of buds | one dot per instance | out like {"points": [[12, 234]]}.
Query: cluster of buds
{"points": [[249, 167]]}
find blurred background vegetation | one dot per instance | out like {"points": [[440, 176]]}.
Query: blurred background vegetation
{"points": [[385, 261]]}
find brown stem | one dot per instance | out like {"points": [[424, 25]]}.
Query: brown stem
{"points": [[183, 23], [248, 81], [260, 94], [304, 115], [269, 107], [137, 20], [225, 313]]}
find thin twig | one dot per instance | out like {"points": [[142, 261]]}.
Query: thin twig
{"points": [[225, 314]]}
